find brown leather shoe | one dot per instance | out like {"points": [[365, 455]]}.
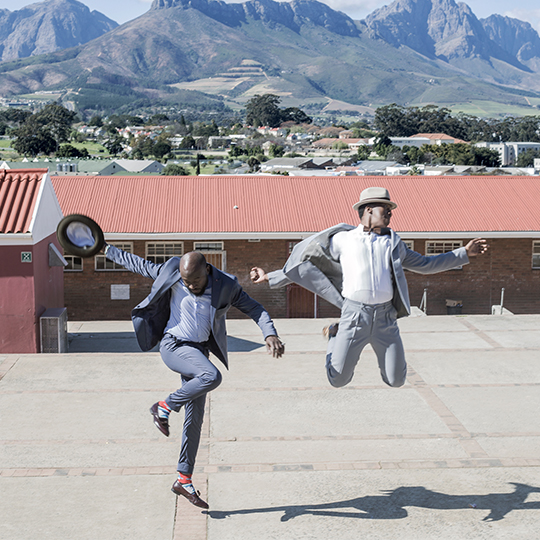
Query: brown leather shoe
{"points": [[193, 498], [161, 423]]}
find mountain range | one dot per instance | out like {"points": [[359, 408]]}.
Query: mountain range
{"points": [[49, 26], [409, 52]]}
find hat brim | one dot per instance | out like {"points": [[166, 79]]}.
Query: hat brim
{"points": [[90, 242], [392, 205]]}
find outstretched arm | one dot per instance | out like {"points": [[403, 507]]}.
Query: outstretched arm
{"points": [[131, 262]]}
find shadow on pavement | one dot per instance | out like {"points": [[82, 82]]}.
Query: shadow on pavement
{"points": [[392, 504], [126, 342]]}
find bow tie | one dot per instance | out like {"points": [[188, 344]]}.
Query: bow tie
{"points": [[378, 230]]}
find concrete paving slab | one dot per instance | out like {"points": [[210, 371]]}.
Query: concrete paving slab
{"points": [[86, 508], [443, 340], [48, 372], [260, 370], [435, 323], [451, 455], [517, 338], [500, 409], [320, 412], [476, 367], [327, 451], [382, 505], [62, 454], [510, 447], [80, 416]]}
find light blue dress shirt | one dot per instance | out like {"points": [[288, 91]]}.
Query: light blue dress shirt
{"points": [[190, 314]]}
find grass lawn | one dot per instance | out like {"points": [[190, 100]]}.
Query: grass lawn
{"points": [[5, 143], [493, 109]]}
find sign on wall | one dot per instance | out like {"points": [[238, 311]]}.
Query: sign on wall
{"points": [[26, 256], [119, 292]]}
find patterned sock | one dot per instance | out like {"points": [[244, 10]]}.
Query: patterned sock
{"points": [[185, 480], [163, 409]]}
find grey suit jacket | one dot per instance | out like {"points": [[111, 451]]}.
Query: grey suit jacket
{"points": [[151, 315], [312, 266]]}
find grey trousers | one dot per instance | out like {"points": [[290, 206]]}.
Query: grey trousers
{"points": [[359, 325], [199, 376]]}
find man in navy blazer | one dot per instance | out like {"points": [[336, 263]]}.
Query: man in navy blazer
{"points": [[185, 312]]}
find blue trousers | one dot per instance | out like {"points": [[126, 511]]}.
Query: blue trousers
{"points": [[359, 325], [199, 376]]}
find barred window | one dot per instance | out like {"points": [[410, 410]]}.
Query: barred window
{"points": [[536, 254], [160, 252], [102, 263], [435, 248], [208, 246], [213, 252], [75, 264]]}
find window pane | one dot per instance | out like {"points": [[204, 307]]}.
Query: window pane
{"points": [[160, 252]]}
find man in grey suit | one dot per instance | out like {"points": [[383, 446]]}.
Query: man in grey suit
{"points": [[361, 271], [185, 312]]}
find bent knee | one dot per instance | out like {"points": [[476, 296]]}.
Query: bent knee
{"points": [[211, 379]]}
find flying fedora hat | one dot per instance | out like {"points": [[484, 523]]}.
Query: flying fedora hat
{"points": [[372, 195], [79, 235]]}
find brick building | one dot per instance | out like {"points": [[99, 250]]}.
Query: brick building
{"points": [[31, 280], [239, 222]]}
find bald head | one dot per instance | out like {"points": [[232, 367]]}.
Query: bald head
{"points": [[194, 271]]}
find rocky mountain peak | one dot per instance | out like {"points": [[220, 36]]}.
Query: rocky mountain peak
{"points": [[49, 26]]}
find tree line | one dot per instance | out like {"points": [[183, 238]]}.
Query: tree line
{"points": [[399, 121]]}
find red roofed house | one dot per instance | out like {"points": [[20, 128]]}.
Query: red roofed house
{"points": [[243, 221], [29, 214]]}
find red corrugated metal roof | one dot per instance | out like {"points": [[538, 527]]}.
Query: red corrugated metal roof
{"points": [[298, 204], [18, 193]]}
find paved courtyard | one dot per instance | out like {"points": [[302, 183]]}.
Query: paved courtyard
{"points": [[453, 454]]}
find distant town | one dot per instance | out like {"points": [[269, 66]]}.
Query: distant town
{"points": [[268, 139]]}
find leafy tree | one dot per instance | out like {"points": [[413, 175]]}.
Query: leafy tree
{"points": [[173, 169], [114, 145], [263, 111], [188, 142], [526, 158], [70, 151], [57, 120], [276, 150], [161, 149], [363, 153], [157, 119], [296, 115], [32, 139], [381, 145], [96, 121], [253, 163]]}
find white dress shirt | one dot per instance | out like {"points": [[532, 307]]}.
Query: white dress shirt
{"points": [[366, 265], [190, 314]]}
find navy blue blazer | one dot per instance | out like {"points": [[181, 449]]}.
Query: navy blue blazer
{"points": [[151, 315]]}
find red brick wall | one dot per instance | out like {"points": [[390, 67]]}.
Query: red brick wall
{"points": [[478, 285]]}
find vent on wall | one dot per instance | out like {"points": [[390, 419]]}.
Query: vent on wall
{"points": [[53, 326]]}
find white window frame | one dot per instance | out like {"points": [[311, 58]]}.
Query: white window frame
{"points": [[409, 244], [160, 258], [72, 259], [447, 246], [217, 247], [113, 267], [535, 251]]}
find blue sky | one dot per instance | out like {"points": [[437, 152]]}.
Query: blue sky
{"points": [[125, 10]]}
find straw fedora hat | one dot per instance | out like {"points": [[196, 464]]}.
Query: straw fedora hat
{"points": [[372, 195]]}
